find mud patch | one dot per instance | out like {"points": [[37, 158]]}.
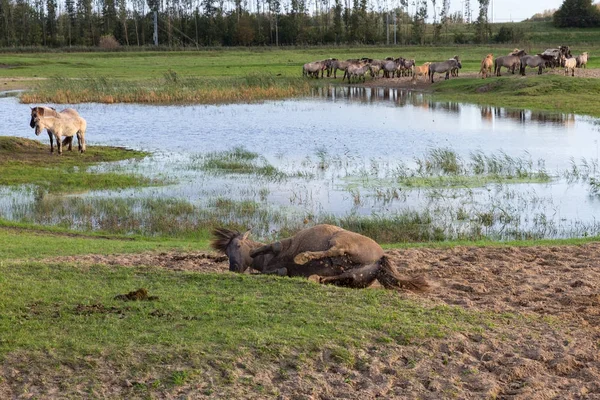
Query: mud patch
{"points": [[136, 295], [98, 308]]}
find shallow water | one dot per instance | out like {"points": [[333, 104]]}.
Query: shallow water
{"points": [[360, 133]]}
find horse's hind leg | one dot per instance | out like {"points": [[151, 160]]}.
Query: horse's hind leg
{"points": [[360, 277], [307, 256], [68, 140]]}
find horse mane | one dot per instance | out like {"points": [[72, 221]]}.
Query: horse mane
{"points": [[47, 111], [222, 238]]}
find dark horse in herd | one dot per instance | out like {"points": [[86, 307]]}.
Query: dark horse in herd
{"points": [[325, 253]]}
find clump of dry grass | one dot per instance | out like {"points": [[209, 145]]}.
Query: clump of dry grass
{"points": [[171, 89]]}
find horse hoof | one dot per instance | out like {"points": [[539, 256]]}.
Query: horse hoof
{"points": [[301, 259]]}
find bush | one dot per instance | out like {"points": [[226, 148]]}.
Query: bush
{"points": [[460, 38], [509, 35], [108, 42]]}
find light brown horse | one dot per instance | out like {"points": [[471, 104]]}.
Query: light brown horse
{"points": [[66, 123], [486, 66], [422, 70], [325, 253]]}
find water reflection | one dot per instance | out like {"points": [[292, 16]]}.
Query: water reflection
{"points": [[406, 97]]}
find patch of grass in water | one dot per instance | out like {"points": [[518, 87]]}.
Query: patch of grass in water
{"points": [[240, 161], [29, 162]]}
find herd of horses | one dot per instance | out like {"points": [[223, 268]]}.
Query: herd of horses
{"points": [[550, 58], [357, 69]]}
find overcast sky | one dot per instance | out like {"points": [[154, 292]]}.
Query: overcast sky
{"points": [[507, 10]]}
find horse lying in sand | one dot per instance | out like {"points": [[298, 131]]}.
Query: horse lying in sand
{"points": [[66, 123], [325, 253]]}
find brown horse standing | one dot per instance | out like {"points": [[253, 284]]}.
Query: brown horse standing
{"points": [[334, 255]]}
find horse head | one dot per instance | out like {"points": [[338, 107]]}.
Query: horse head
{"points": [[34, 122], [235, 246]]}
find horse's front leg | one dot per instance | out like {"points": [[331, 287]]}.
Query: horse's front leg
{"points": [[59, 144], [50, 135]]}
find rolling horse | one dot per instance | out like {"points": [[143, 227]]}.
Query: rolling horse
{"points": [[326, 253]]}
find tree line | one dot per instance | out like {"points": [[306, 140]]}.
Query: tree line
{"points": [[234, 22]]}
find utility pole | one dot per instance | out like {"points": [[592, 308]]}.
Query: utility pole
{"points": [[394, 16], [387, 25], [155, 28]]}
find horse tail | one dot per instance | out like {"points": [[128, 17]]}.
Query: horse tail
{"points": [[390, 279]]}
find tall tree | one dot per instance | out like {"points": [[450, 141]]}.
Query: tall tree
{"points": [[51, 21], [482, 27], [577, 13]]}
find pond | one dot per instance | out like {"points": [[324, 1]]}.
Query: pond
{"points": [[350, 152]]}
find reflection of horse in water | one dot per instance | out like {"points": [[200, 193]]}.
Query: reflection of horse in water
{"points": [[450, 106], [487, 113], [553, 118], [518, 115]]}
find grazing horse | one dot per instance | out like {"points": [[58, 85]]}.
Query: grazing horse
{"points": [[325, 253], [486, 65], [389, 68], [66, 123], [444, 66], [313, 68], [582, 60], [342, 66], [511, 62], [358, 71], [454, 71], [536, 61], [569, 64]]}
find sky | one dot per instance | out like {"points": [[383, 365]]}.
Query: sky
{"points": [[509, 10]]}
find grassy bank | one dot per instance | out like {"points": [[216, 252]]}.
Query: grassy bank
{"points": [[29, 162], [207, 76], [546, 92]]}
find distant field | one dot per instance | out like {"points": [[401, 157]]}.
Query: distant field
{"points": [[236, 62]]}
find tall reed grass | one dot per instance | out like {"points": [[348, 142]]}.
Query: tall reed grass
{"points": [[170, 89]]}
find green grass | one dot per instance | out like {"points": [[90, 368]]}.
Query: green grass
{"points": [[61, 320], [22, 241], [29, 162], [545, 92]]}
